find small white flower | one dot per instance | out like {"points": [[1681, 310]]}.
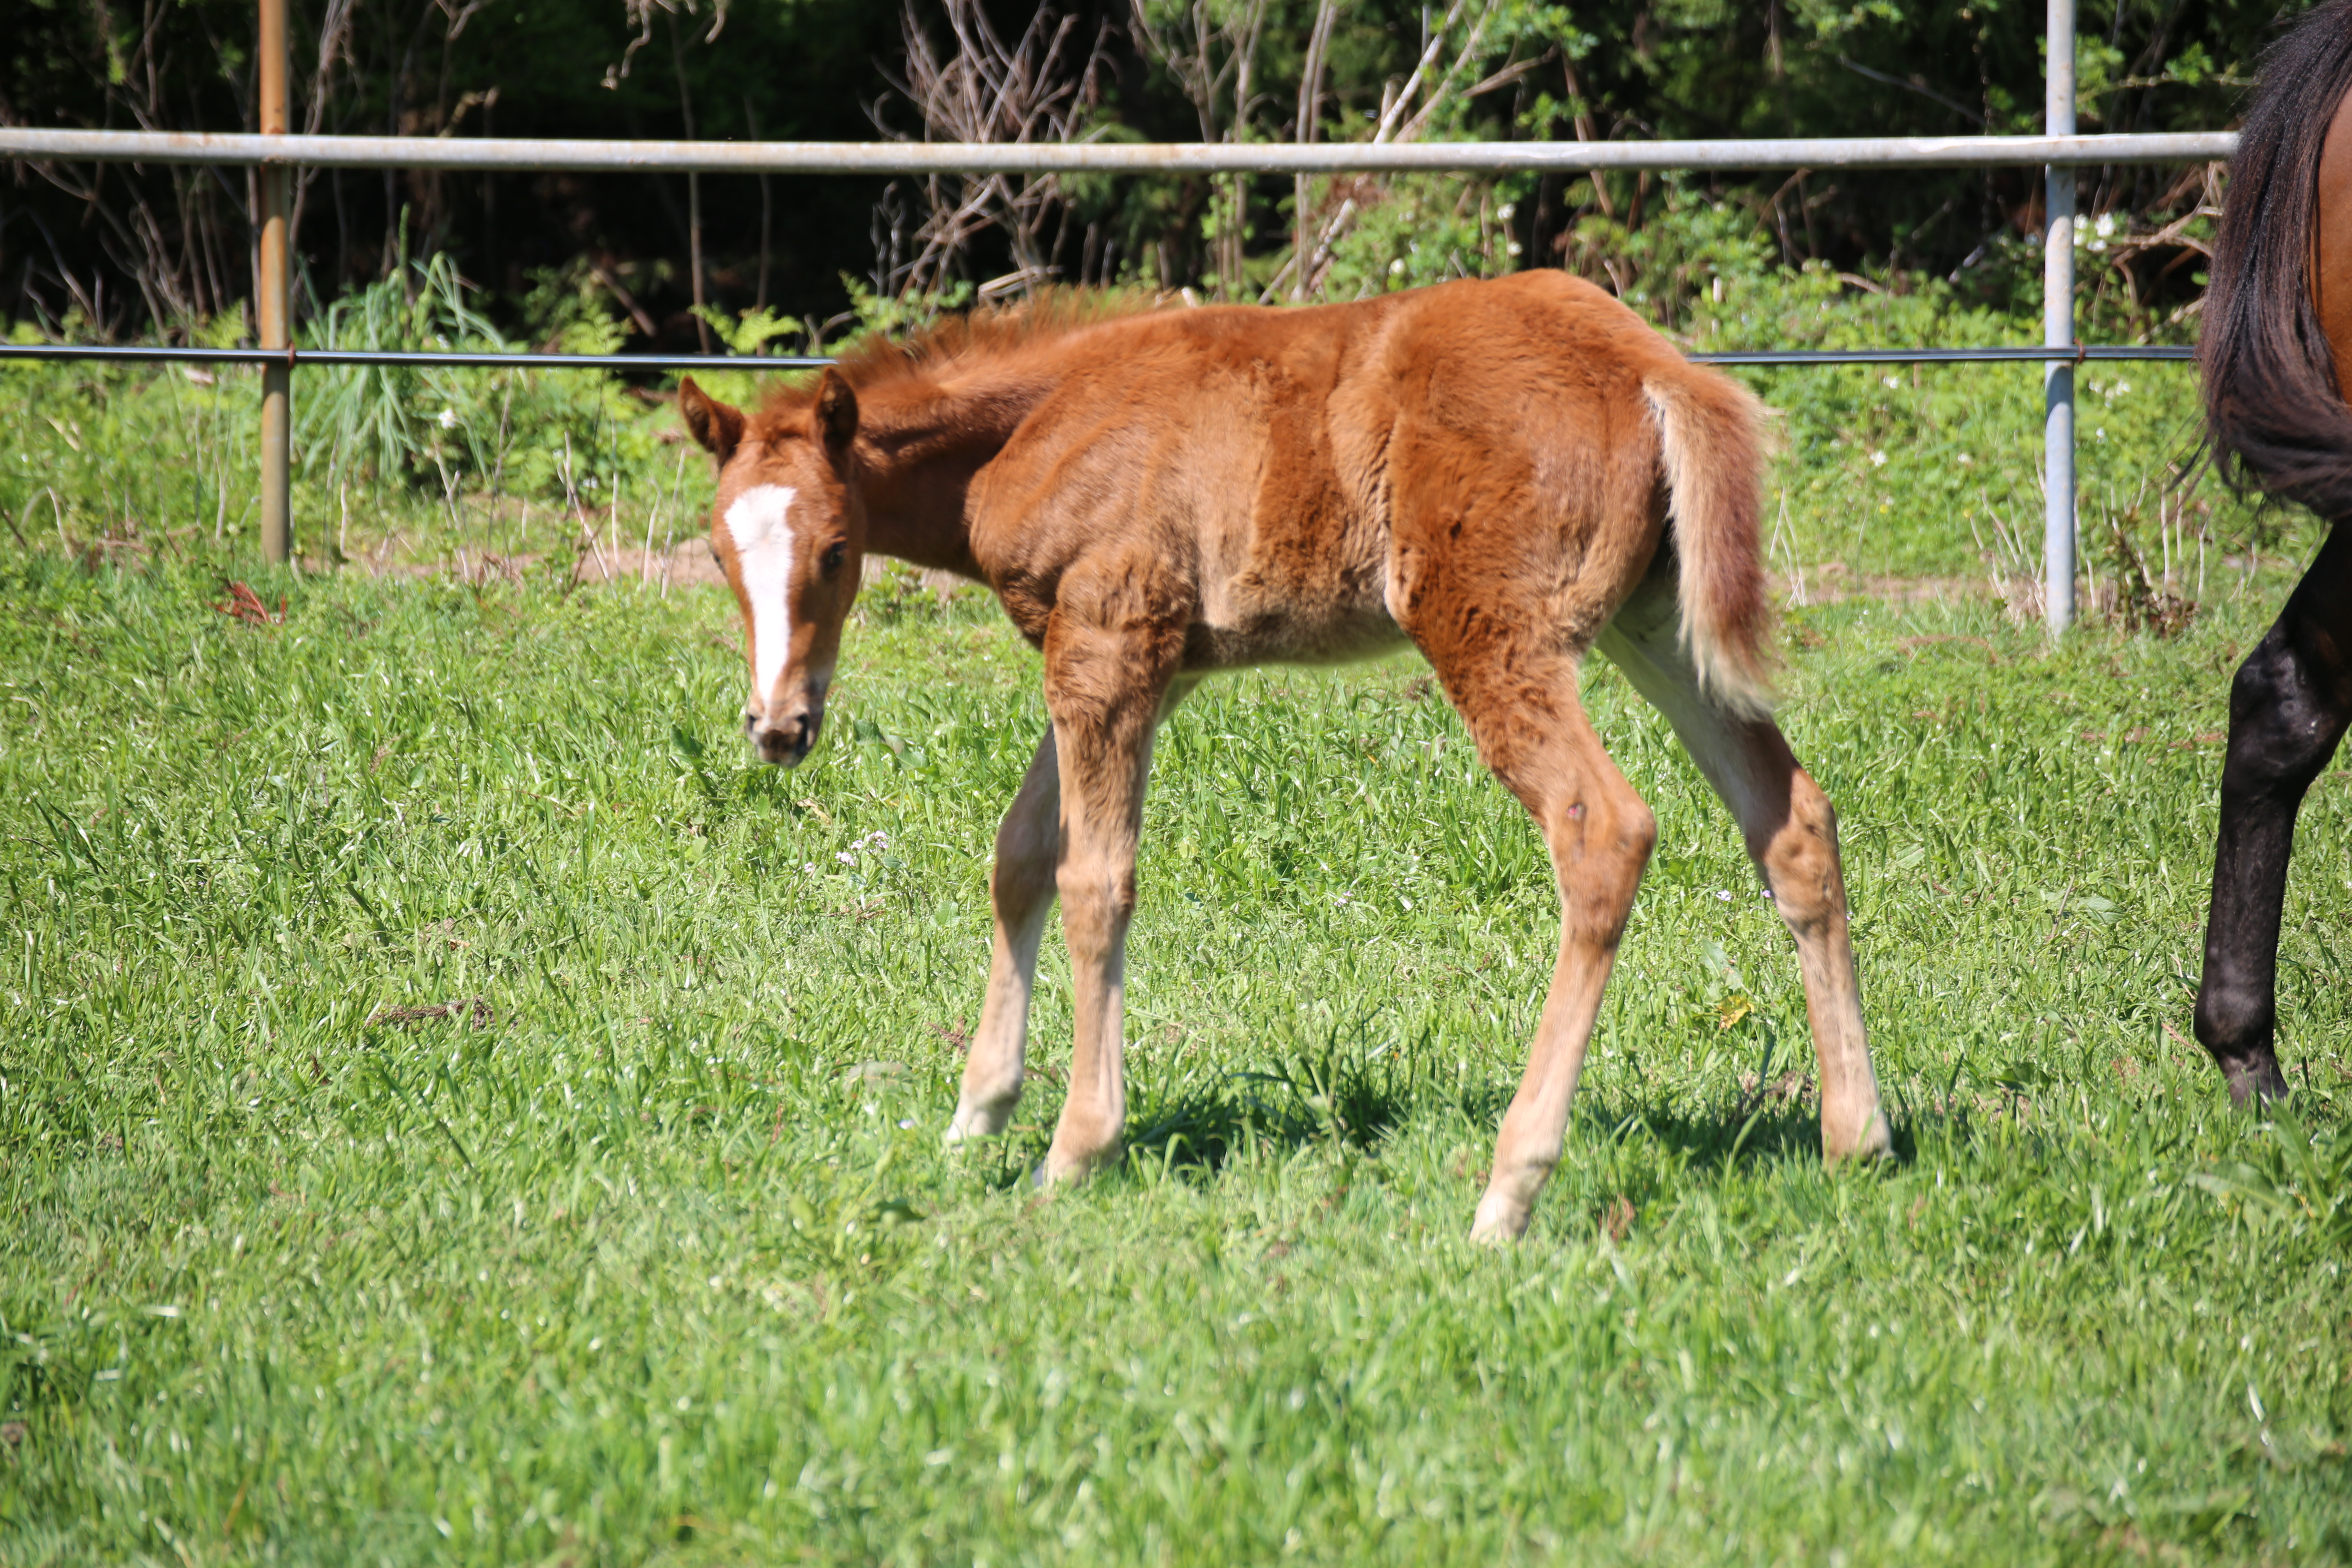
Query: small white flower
{"points": [[1512, 248], [1505, 210], [2106, 226], [2098, 245], [809, 866], [447, 420], [846, 858], [1966, 459], [1878, 459], [905, 1122], [1722, 894], [1396, 268], [1894, 380]]}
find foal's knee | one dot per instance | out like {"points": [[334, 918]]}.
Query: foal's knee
{"points": [[1098, 900], [1023, 873], [1018, 883]]}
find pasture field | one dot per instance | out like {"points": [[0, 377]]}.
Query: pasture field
{"points": [[454, 1108]]}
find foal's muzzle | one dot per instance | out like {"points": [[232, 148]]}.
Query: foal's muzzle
{"points": [[783, 741]]}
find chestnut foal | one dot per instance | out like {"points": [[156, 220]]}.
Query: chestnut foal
{"points": [[1504, 473]]}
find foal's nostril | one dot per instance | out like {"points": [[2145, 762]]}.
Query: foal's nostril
{"points": [[786, 742]]}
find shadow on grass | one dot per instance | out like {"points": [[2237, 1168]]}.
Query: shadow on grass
{"points": [[1351, 1095], [1744, 1134], [1342, 1091]]}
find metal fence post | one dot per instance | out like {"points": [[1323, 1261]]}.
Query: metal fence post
{"points": [[2058, 331], [271, 289]]}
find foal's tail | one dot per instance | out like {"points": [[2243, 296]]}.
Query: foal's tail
{"points": [[1711, 441], [2274, 411]]}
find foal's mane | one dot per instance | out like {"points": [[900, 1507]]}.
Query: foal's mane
{"points": [[989, 332]]}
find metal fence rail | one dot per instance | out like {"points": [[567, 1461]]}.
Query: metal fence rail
{"points": [[275, 152], [490, 359], [480, 154]]}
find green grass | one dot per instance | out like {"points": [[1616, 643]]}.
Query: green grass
{"points": [[661, 1257]]}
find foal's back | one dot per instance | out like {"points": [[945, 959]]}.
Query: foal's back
{"points": [[1247, 470]]}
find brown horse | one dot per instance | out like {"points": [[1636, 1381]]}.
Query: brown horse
{"points": [[2275, 347], [1505, 473]]}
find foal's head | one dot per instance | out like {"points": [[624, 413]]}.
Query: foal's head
{"points": [[789, 530]]}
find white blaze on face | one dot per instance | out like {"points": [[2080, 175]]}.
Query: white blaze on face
{"points": [[763, 555]]}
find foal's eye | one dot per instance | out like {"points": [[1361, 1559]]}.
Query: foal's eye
{"points": [[831, 560]]}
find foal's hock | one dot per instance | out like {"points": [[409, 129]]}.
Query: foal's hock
{"points": [[1504, 474]]}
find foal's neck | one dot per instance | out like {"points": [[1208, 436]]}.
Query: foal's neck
{"points": [[924, 443]]}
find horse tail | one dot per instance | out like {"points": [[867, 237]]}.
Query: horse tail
{"points": [[1711, 449], [2274, 411]]}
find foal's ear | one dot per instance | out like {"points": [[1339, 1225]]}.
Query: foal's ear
{"points": [[835, 415], [719, 427]]}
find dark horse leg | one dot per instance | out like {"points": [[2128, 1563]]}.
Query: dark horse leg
{"points": [[2288, 708]]}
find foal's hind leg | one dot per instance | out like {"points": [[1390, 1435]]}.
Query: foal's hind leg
{"points": [[1021, 888], [1792, 834], [1521, 708], [2288, 709]]}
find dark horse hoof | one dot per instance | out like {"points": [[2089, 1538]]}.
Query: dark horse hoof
{"points": [[2256, 1078]]}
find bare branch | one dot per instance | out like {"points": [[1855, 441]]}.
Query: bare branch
{"points": [[1034, 89]]}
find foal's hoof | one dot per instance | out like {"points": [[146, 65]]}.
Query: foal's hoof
{"points": [[1062, 1170], [1500, 1222], [1042, 1179], [971, 1122], [1873, 1140]]}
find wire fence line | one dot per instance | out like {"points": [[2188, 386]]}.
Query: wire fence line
{"points": [[486, 359]]}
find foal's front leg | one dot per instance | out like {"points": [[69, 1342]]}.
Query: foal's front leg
{"points": [[1021, 888], [1106, 696]]}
